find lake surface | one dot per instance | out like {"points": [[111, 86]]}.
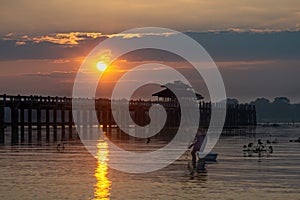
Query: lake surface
{"points": [[45, 172]]}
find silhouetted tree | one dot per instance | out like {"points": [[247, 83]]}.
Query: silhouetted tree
{"points": [[281, 100], [232, 101], [263, 109], [280, 110]]}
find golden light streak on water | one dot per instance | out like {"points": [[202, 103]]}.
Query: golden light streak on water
{"points": [[103, 185]]}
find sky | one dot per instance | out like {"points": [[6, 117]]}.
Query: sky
{"points": [[255, 44]]}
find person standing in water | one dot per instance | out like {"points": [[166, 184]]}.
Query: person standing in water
{"points": [[196, 144]]}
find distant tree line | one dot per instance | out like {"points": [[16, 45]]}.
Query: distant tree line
{"points": [[280, 110]]}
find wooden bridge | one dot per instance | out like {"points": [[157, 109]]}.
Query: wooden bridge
{"points": [[25, 113]]}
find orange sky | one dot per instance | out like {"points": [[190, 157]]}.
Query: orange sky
{"points": [[42, 43], [30, 16]]}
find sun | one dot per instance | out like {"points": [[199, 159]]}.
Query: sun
{"points": [[101, 66]]}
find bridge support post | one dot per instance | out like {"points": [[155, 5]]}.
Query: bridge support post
{"points": [[47, 125], [91, 119], [2, 124], [63, 131], [79, 123], [54, 124], [39, 127], [70, 124], [105, 119], [110, 117], [22, 124], [84, 121], [29, 116], [14, 124], [98, 117]]}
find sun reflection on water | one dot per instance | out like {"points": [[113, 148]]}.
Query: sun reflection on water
{"points": [[102, 187]]}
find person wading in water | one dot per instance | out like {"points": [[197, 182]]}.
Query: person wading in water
{"points": [[196, 144]]}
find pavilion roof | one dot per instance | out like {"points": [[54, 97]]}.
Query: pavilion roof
{"points": [[167, 93]]}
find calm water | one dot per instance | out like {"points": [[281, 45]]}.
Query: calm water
{"points": [[42, 172]]}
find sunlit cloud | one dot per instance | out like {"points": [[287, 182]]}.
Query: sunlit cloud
{"points": [[245, 65], [256, 30], [253, 30], [55, 74], [20, 43], [73, 38], [9, 34], [61, 61], [138, 35], [223, 45]]}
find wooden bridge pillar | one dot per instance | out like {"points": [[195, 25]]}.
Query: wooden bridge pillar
{"points": [[70, 124], [2, 124], [98, 113], [84, 117], [137, 115], [54, 124], [29, 117], [91, 118], [84, 123], [78, 122], [22, 124], [105, 119], [110, 117], [47, 125], [63, 131], [39, 127], [14, 124], [85, 128], [122, 118]]}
